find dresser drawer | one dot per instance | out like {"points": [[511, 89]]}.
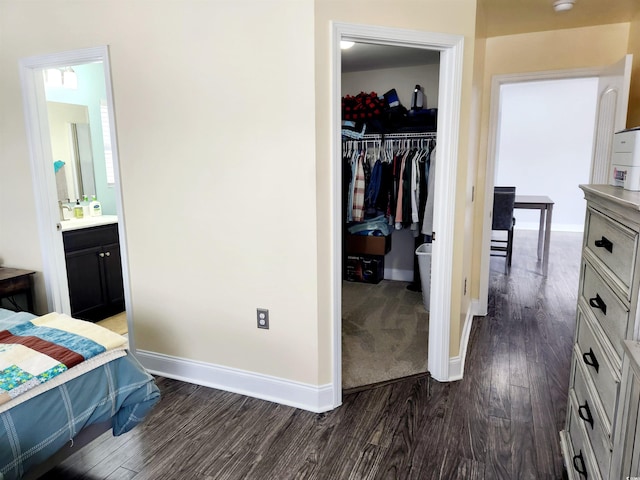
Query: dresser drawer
{"points": [[589, 411], [582, 463], [605, 377], [612, 314], [613, 244], [588, 439]]}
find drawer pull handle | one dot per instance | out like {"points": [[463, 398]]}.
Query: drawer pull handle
{"points": [[587, 417], [591, 360], [598, 303], [605, 243], [101, 254], [578, 464]]}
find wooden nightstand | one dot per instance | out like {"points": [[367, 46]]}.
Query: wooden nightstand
{"points": [[15, 281]]}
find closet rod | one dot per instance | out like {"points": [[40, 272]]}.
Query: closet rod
{"points": [[397, 136]]}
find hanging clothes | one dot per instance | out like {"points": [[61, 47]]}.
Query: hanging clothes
{"points": [[347, 190], [359, 191], [427, 221], [424, 176], [401, 189], [385, 192], [389, 178], [416, 174], [373, 189]]}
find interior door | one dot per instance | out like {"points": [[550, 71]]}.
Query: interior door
{"points": [[611, 116]]}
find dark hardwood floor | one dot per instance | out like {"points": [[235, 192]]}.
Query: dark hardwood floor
{"points": [[500, 422]]}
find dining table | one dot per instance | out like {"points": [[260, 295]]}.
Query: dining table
{"points": [[545, 205]]}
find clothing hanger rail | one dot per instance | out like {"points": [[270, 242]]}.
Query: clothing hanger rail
{"points": [[384, 145], [401, 136]]}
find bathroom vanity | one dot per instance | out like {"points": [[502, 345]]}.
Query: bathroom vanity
{"points": [[94, 268]]}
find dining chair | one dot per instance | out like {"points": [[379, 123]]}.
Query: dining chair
{"points": [[502, 224]]}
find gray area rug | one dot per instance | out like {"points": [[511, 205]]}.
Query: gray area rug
{"points": [[385, 333]]}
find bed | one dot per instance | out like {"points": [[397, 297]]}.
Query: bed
{"points": [[47, 411]]}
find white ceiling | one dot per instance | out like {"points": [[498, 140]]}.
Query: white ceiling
{"points": [[367, 56]]}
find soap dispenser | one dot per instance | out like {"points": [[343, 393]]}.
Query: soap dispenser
{"points": [[85, 206], [78, 211], [95, 208]]}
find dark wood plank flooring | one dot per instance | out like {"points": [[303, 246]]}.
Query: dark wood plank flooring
{"points": [[500, 422]]}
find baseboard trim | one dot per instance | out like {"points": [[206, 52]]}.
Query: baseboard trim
{"points": [[456, 364], [398, 275], [312, 398]]}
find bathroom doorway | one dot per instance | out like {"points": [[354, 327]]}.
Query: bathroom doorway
{"points": [[92, 79]]}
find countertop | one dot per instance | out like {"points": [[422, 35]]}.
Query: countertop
{"points": [[78, 223]]}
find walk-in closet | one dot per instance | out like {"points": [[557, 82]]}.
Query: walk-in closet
{"points": [[389, 126]]}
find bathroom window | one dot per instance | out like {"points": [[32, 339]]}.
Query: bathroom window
{"points": [[106, 137]]}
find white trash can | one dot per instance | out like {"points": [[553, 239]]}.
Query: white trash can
{"points": [[424, 264]]}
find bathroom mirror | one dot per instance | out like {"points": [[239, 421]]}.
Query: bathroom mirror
{"points": [[72, 152]]}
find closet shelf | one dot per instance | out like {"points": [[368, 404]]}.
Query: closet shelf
{"points": [[398, 136]]}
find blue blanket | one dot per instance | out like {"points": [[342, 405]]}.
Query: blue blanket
{"points": [[32, 431], [36, 351]]}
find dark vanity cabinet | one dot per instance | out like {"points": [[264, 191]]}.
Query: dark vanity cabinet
{"points": [[94, 272]]}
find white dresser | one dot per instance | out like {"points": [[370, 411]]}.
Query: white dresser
{"points": [[597, 442]]}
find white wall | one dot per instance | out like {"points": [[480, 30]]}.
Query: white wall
{"points": [[216, 141], [545, 145], [402, 79]]}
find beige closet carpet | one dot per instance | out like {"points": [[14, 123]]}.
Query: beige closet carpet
{"points": [[385, 333], [117, 323]]}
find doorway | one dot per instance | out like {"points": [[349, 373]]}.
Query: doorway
{"points": [[384, 319], [545, 145], [450, 80], [612, 97], [107, 177]]}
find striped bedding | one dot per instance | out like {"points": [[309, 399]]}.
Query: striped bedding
{"points": [[41, 418]]}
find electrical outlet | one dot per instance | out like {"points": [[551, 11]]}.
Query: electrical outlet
{"points": [[263, 318]]}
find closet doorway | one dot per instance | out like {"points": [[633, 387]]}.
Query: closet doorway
{"points": [[449, 48], [384, 318]]}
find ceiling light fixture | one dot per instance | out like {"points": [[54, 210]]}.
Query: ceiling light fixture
{"points": [[63, 77], [563, 5], [346, 44], [69, 78]]}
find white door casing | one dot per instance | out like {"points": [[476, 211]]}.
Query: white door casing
{"points": [[613, 91], [47, 209], [613, 100], [450, 89]]}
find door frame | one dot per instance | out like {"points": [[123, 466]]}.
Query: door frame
{"points": [[449, 101], [492, 142], [47, 209]]}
